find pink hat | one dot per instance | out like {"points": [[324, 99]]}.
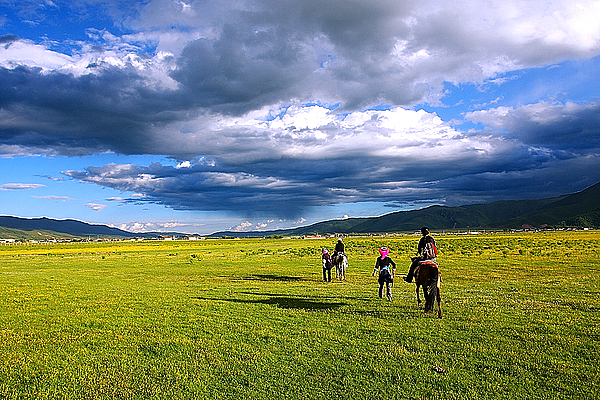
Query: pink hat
{"points": [[384, 251]]}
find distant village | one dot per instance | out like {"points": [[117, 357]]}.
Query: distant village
{"points": [[90, 239], [102, 239]]}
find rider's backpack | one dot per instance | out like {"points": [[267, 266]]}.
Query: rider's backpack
{"points": [[430, 251]]}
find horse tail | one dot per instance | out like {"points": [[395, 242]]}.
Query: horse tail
{"points": [[342, 265], [433, 284]]}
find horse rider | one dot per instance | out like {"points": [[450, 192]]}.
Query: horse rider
{"points": [[385, 276], [327, 265], [339, 250], [427, 251]]}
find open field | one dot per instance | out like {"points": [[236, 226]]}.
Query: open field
{"points": [[252, 319]]}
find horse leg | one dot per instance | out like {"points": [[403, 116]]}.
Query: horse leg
{"points": [[418, 298], [439, 301], [439, 297]]}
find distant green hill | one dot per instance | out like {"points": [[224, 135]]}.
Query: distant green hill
{"points": [[581, 209], [61, 228], [48, 228], [19, 234]]}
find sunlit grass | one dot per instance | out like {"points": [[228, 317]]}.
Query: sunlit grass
{"points": [[252, 319]]}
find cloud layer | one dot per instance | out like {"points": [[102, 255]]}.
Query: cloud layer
{"points": [[275, 107]]}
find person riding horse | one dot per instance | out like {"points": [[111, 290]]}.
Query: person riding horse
{"points": [[339, 250], [427, 252]]}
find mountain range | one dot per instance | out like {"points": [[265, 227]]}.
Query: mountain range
{"points": [[581, 209], [47, 228]]}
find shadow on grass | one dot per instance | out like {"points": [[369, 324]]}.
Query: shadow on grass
{"points": [[271, 277], [283, 301], [394, 309]]}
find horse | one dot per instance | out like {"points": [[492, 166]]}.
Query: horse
{"points": [[428, 275], [341, 263]]}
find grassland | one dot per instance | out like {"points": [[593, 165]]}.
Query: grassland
{"points": [[252, 319]]}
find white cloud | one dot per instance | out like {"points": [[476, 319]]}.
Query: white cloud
{"points": [[26, 53], [54, 197], [244, 226], [96, 206], [184, 164], [20, 186], [188, 225]]}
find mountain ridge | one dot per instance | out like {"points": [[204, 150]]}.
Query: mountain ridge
{"points": [[581, 209], [69, 227]]}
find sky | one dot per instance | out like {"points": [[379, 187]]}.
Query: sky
{"points": [[203, 116]]}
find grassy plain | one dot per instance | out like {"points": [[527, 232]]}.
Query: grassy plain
{"points": [[252, 319]]}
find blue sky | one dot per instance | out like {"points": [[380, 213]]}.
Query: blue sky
{"points": [[198, 117]]}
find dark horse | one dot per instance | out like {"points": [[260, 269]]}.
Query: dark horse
{"points": [[428, 275]]}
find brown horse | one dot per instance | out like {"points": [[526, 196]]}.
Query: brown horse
{"points": [[428, 275]]}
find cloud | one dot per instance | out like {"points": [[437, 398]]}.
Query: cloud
{"points": [[184, 164], [292, 163], [20, 186], [158, 226], [54, 197], [569, 127], [17, 53], [270, 224], [52, 178], [7, 40], [277, 107], [244, 226], [96, 206], [240, 58]]}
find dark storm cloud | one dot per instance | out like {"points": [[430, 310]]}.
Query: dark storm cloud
{"points": [[288, 187], [7, 40], [222, 76], [572, 128], [57, 113]]}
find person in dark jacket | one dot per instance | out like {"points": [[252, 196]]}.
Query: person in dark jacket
{"points": [[339, 249], [427, 251], [386, 277], [327, 265]]}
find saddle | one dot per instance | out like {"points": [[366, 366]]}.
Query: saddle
{"points": [[425, 262], [338, 258]]}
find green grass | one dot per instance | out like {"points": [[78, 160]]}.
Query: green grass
{"points": [[240, 319]]}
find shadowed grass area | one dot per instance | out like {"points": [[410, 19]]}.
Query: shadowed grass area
{"points": [[237, 319]]}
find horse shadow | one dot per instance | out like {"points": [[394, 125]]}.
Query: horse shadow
{"points": [[272, 277], [282, 301]]}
